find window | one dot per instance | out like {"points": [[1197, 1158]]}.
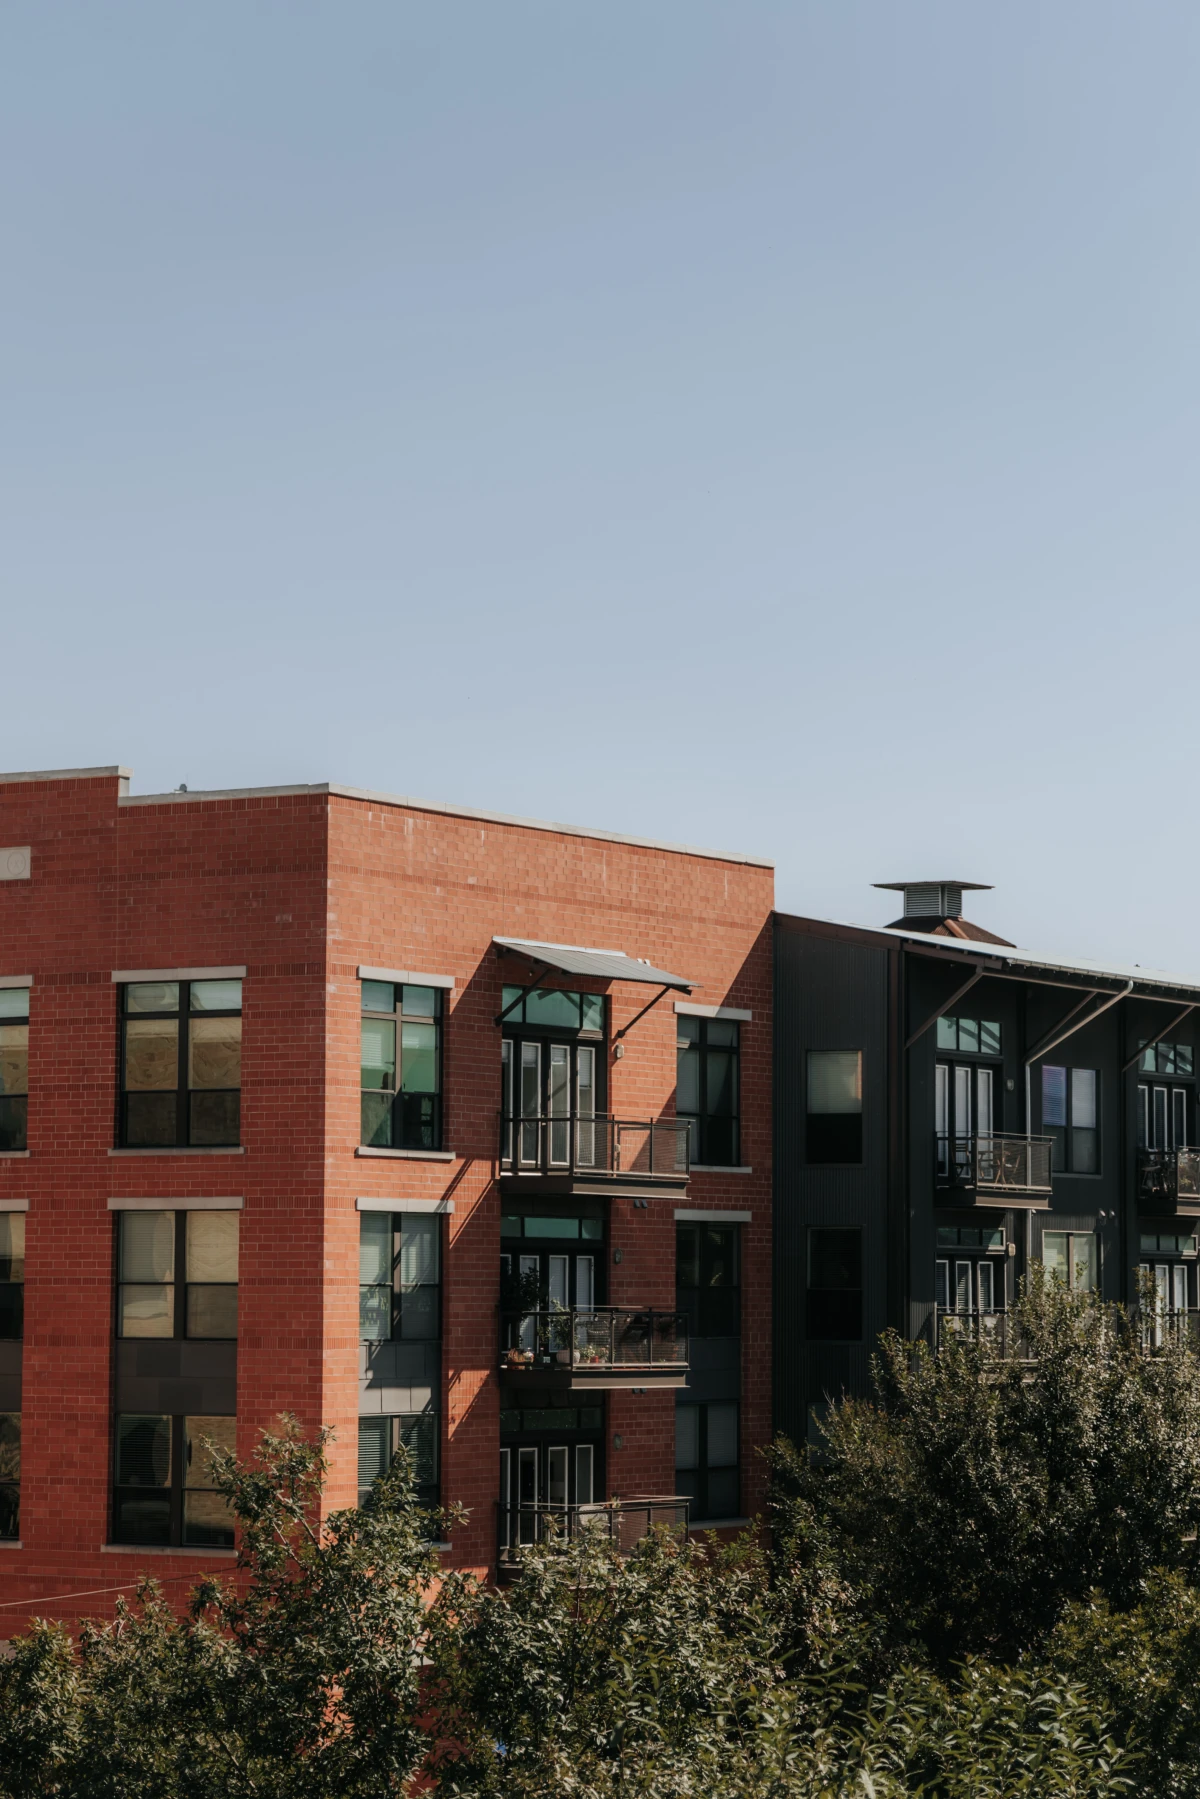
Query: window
{"points": [[399, 1277], [1168, 1058], [707, 1088], [14, 1067], [12, 1275], [181, 1064], [401, 1066], [10, 1474], [972, 1284], [1070, 1115], [177, 1274], [1071, 1258], [380, 1438], [1163, 1114], [163, 1487], [834, 1131], [835, 1312], [1157, 1243], [969, 1236], [706, 1458], [969, 1036], [553, 1011], [706, 1278]]}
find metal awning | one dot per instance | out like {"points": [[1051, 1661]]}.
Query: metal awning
{"points": [[603, 964]]}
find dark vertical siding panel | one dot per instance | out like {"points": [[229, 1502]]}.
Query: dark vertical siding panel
{"points": [[828, 995]]}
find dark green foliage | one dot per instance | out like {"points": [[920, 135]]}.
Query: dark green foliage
{"points": [[967, 1505], [1143, 1668], [922, 1624], [301, 1681]]}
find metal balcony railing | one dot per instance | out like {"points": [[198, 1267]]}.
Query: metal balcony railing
{"points": [[1162, 1324], [1165, 1176], [595, 1340], [624, 1522], [996, 1332], [995, 1163], [565, 1143]]}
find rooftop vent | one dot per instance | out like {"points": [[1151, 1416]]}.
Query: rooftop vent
{"points": [[934, 899]]}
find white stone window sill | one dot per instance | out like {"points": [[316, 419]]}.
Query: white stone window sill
{"points": [[14, 1155], [172, 1150], [716, 1168], [151, 1549], [11, 1543], [407, 1155]]}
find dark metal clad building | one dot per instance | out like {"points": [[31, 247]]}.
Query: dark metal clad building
{"points": [[950, 1110]]}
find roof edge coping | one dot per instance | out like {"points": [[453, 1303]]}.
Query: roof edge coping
{"points": [[113, 773], [337, 790]]}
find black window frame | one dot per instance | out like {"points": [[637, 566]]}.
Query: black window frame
{"points": [[821, 1309], [181, 1285], [713, 1307], [399, 1427], [398, 1310], [10, 1477], [700, 1479], [12, 1276], [707, 1128], [1066, 1137], [407, 1128], [126, 1493], [830, 1141], [183, 1091], [14, 1106]]}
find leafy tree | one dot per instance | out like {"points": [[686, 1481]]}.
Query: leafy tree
{"points": [[299, 1680], [965, 1506], [1143, 1667]]}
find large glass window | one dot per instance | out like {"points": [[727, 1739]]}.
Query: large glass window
{"points": [[380, 1438], [1071, 1116], [163, 1488], [834, 1106], [707, 1285], [14, 1067], [399, 1276], [12, 1274], [706, 1458], [707, 1088], [401, 1066], [181, 1064], [552, 1010], [835, 1301], [969, 1036], [177, 1274], [1070, 1257], [1168, 1058]]}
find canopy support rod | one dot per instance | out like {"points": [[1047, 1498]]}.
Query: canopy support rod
{"points": [[944, 1007], [1044, 1047], [1139, 1053], [525, 991], [640, 1015]]}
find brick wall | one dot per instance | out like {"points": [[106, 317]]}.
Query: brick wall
{"points": [[303, 887]]}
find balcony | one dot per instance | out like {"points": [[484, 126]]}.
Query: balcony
{"points": [[602, 1348], [622, 1522], [566, 1153], [996, 1169], [995, 1332], [1168, 1179]]}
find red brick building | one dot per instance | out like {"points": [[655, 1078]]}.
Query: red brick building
{"points": [[413, 1121]]}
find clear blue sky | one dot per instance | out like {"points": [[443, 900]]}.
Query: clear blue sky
{"points": [[771, 426]]}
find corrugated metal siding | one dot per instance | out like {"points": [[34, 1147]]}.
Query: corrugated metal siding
{"points": [[828, 995]]}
